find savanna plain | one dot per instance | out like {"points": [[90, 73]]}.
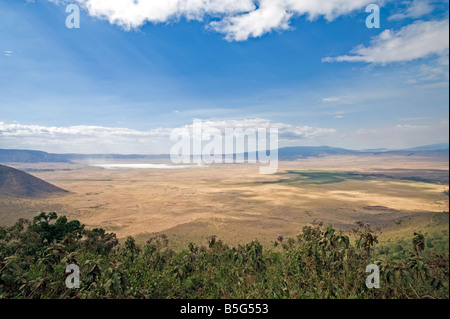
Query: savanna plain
{"points": [[397, 195]]}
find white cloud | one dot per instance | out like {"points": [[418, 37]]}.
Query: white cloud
{"points": [[275, 15], [237, 19], [436, 71], [89, 139], [331, 99], [415, 41], [8, 53], [100, 139], [347, 99], [414, 10], [285, 130], [338, 114], [21, 130]]}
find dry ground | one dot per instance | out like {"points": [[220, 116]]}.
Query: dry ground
{"points": [[235, 202]]}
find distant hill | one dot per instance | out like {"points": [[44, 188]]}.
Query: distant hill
{"points": [[30, 156], [430, 153], [20, 184], [435, 150], [26, 156], [434, 147], [290, 153], [286, 153]]}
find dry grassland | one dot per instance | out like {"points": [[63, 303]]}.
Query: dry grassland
{"points": [[238, 204]]}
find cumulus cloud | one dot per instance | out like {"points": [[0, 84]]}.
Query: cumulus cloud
{"points": [[286, 131], [415, 41], [237, 19], [275, 15], [100, 139], [21, 130], [89, 139]]}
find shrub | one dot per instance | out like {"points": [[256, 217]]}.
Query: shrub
{"points": [[320, 263]]}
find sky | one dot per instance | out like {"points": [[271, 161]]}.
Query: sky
{"points": [[137, 69]]}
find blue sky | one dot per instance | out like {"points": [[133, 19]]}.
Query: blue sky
{"points": [[127, 77]]}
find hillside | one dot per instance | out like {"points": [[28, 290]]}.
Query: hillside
{"points": [[20, 184]]}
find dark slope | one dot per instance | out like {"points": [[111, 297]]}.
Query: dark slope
{"points": [[20, 184]]}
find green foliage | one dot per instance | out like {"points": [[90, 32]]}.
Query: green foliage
{"points": [[319, 263], [51, 228]]}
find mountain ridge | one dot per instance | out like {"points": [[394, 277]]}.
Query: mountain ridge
{"points": [[285, 153]]}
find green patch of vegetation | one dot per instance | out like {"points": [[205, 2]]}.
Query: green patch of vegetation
{"points": [[319, 177], [325, 177], [319, 263], [314, 177], [438, 241]]}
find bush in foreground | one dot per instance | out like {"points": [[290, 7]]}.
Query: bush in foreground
{"points": [[319, 263]]}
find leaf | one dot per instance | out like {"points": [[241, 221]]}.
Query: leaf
{"points": [[116, 283], [8, 278]]}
